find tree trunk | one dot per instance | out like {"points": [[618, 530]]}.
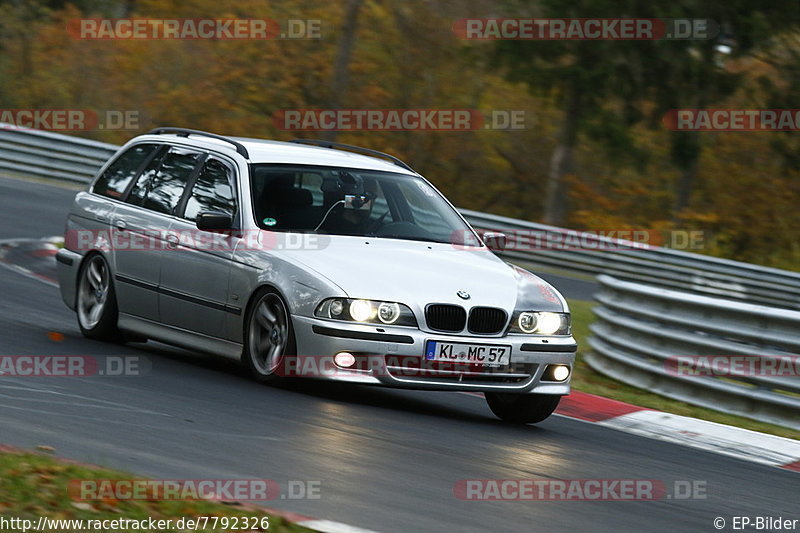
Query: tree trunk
{"points": [[686, 183], [341, 66], [686, 145], [686, 155], [562, 161]]}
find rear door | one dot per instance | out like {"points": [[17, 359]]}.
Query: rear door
{"points": [[94, 212]]}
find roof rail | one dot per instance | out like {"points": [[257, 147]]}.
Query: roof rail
{"points": [[350, 147], [185, 132]]}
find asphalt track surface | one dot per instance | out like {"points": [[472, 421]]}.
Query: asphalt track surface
{"points": [[387, 460]]}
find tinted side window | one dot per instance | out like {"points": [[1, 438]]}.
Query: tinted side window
{"points": [[118, 175], [161, 185], [212, 191]]}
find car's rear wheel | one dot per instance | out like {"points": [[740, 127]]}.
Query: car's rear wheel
{"points": [[522, 408], [96, 303], [269, 336]]}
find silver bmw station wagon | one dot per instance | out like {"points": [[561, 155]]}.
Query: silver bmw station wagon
{"points": [[310, 259]]}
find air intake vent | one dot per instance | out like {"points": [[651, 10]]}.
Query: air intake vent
{"points": [[487, 320], [443, 317]]}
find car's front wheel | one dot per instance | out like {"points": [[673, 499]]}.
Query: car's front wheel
{"points": [[97, 301], [522, 408], [269, 337]]}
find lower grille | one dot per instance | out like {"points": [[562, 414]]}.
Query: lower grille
{"points": [[443, 317], [418, 369], [487, 320]]}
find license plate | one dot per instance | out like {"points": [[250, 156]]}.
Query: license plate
{"points": [[480, 354]]}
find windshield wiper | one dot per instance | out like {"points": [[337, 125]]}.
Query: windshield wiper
{"points": [[409, 238]]}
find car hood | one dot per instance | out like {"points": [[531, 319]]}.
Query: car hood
{"points": [[417, 273]]}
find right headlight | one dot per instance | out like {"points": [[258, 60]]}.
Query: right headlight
{"points": [[541, 323], [366, 311]]}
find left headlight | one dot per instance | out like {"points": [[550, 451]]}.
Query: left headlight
{"points": [[541, 323], [366, 311]]}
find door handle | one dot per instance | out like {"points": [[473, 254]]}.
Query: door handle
{"points": [[121, 225], [172, 240]]}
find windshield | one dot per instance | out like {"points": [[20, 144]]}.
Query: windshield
{"points": [[345, 201]]}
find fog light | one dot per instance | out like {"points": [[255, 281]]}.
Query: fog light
{"points": [[344, 359], [560, 373], [556, 373]]}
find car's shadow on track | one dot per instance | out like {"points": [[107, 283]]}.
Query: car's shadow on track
{"points": [[422, 403]]}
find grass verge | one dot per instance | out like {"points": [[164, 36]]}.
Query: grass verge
{"points": [[587, 380], [34, 485]]}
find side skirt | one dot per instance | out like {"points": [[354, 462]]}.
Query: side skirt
{"points": [[179, 337]]}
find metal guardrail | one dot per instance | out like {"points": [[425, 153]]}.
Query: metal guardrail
{"points": [[663, 341], [51, 155]]}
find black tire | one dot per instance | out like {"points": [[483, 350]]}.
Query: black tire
{"points": [[268, 337], [522, 408], [96, 301]]}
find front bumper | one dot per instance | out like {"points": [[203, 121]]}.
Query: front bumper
{"points": [[391, 356]]}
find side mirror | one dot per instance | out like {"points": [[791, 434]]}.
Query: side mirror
{"points": [[495, 241], [213, 221]]}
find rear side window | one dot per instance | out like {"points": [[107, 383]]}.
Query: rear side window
{"points": [[212, 191], [161, 185], [118, 175]]}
